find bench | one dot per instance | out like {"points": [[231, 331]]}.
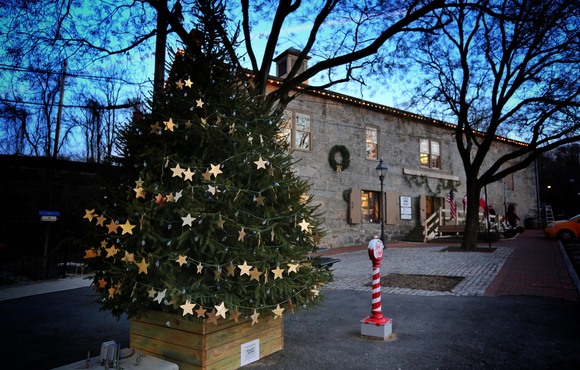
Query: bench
{"points": [[324, 261], [451, 229]]}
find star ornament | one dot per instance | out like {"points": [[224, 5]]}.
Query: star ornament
{"points": [[129, 257], [188, 82], [160, 296], [221, 310], [261, 163], [212, 317], [89, 214], [112, 227], [169, 125], [111, 252], [199, 102], [277, 311], [142, 266], [255, 274], [101, 220], [188, 174], [241, 235], [215, 170], [254, 317], [182, 260], [278, 272], [127, 228], [245, 269], [188, 308], [139, 192], [187, 220], [155, 129], [200, 311], [304, 225], [177, 171]]}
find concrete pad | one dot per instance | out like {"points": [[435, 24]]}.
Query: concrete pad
{"points": [[26, 290]]}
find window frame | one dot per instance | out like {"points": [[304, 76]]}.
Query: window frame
{"points": [[371, 127], [430, 154], [291, 138]]}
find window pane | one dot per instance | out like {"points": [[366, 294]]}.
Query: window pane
{"points": [[302, 122], [302, 140], [424, 160], [371, 150], [370, 206], [372, 142], [302, 133], [424, 146], [435, 148], [286, 126], [435, 162]]}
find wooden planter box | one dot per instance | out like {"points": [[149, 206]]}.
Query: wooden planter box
{"points": [[200, 344]]}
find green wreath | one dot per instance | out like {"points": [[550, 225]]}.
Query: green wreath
{"points": [[338, 167]]}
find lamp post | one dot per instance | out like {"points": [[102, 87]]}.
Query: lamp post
{"points": [[382, 170]]}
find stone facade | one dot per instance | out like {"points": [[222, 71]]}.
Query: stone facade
{"points": [[341, 120]]}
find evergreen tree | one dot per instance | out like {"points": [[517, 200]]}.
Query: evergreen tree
{"points": [[204, 216]]}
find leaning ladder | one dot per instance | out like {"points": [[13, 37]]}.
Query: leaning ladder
{"points": [[549, 214]]}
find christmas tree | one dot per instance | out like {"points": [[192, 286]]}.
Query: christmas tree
{"points": [[203, 215]]}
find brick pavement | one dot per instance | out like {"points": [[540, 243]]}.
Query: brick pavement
{"points": [[527, 265]]}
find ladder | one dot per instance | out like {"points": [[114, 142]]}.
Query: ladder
{"points": [[549, 214]]}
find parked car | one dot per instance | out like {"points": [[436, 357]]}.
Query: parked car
{"points": [[564, 229]]}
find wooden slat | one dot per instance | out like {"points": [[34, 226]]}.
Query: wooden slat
{"points": [[165, 334], [233, 362], [242, 330], [232, 348], [167, 351]]}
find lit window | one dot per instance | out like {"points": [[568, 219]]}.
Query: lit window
{"points": [[370, 206], [430, 154], [296, 130], [372, 141]]}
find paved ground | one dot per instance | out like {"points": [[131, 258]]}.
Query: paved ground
{"points": [[517, 309]]}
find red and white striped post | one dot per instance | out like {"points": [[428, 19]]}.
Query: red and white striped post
{"points": [[376, 325]]}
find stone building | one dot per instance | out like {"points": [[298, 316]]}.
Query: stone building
{"points": [[421, 155]]}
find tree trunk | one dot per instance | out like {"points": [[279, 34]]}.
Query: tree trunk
{"points": [[472, 218]]}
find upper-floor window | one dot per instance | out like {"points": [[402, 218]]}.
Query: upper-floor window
{"points": [[430, 153], [297, 130], [372, 142]]}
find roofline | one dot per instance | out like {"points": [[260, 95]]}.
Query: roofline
{"points": [[379, 107]]}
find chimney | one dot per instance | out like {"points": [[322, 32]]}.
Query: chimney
{"points": [[286, 60]]}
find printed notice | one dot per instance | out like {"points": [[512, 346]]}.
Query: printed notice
{"points": [[250, 352]]}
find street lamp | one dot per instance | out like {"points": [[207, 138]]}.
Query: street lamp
{"points": [[382, 170]]}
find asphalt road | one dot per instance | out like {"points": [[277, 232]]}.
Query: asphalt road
{"points": [[444, 332]]}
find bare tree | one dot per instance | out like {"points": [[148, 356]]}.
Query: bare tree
{"points": [[513, 68]]}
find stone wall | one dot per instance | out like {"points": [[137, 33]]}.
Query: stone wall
{"points": [[338, 121]]}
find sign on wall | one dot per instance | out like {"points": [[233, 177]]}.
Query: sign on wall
{"points": [[406, 213]]}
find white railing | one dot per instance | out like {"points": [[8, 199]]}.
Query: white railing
{"points": [[432, 223]]}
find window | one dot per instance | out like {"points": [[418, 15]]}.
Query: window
{"points": [[370, 206], [296, 130], [372, 142], [430, 154]]}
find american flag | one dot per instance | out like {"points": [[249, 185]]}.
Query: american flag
{"points": [[451, 200]]}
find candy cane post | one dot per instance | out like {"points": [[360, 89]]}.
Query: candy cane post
{"points": [[376, 326]]}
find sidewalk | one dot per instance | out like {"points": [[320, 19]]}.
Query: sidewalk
{"points": [[529, 265]]}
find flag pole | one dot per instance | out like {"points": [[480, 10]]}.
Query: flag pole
{"points": [[487, 217]]}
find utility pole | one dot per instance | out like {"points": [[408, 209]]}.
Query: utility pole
{"points": [[58, 117]]}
